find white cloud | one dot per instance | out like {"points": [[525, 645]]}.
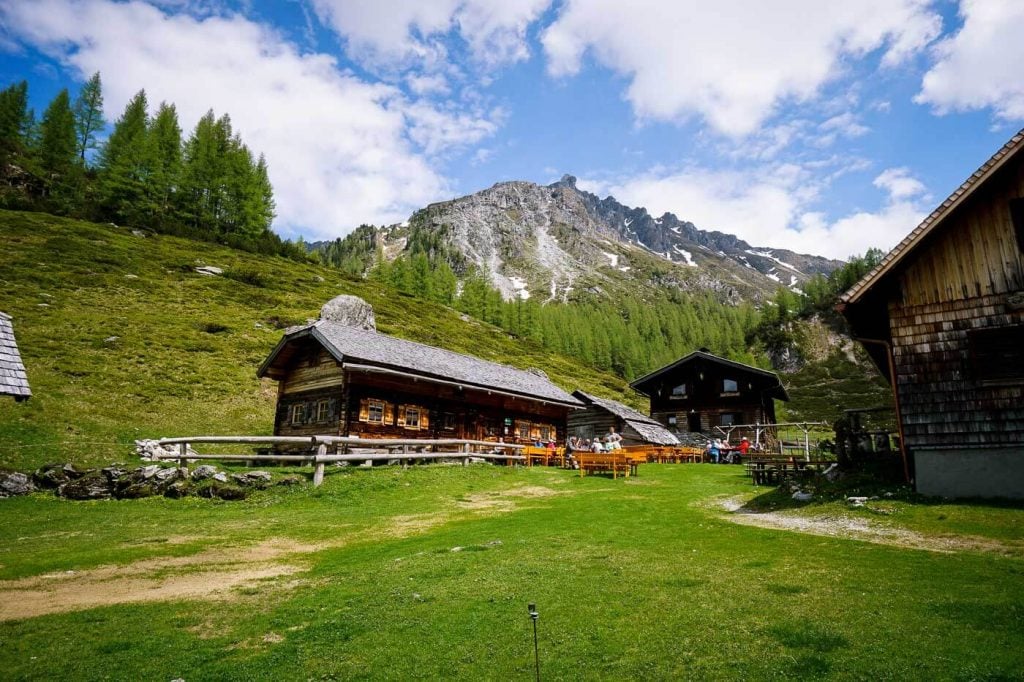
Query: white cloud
{"points": [[403, 32], [899, 183], [772, 206], [731, 62], [340, 151], [980, 66]]}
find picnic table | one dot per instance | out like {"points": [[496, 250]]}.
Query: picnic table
{"points": [[766, 470]]}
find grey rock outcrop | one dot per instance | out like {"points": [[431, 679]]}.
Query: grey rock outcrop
{"points": [[92, 486], [15, 483], [351, 311]]}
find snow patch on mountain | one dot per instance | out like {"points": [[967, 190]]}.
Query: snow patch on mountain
{"points": [[687, 256]]}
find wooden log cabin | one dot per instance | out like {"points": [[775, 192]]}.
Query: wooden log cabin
{"points": [[602, 414], [336, 379], [942, 317], [702, 391]]}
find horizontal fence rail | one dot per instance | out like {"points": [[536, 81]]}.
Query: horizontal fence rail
{"points": [[396, 449]]}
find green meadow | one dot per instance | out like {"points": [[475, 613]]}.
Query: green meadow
{"points": [[426, 572]]}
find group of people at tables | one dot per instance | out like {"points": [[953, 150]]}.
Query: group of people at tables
{"points": [[721, 452]]}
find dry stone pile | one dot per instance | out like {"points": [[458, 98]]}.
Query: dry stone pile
{"points": [[119, 482]]}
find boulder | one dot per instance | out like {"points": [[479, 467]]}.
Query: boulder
{"points": [[350, 311], [114, 472], [801, 496], [259, 479], [178, 489], [14, 483], [211, 270], [223, 492], [153, 450], [136, 491], [204, 471], [92, 486], [289, 480], [220, 477], [50, 476]]}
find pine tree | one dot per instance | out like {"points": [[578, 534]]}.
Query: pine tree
{"points": [[125, 166], [89, 115]]}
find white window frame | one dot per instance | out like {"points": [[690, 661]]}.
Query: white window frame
{"points": [[372, 404], [676, 392], [409, 422], [298, 412], [323, 410]]}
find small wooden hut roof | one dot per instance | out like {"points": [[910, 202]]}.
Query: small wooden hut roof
{"points": [[649, 429], [769, 381], [933, 221], [363, 349], [13, 380]]}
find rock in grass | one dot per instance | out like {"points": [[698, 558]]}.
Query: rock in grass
{"points": [[204, 471], [258, 479], [801, 496], [15, 483], [92, 486], [50, 476], [137, 491], [178, 490], [223, 492], [289, 480]]}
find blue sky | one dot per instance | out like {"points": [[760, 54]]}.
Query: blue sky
{"points": [[825, 128]]}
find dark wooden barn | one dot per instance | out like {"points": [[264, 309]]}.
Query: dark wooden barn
{"points": [[13, 380], [602, 414], [701, 391], [339, 379], [942, 317]]}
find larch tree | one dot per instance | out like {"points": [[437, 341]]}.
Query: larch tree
{"points": [[57, 152], [164, 141], [125, 166], [89, 115]]}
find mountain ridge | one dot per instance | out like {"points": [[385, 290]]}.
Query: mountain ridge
{"points": [[561, 243]]}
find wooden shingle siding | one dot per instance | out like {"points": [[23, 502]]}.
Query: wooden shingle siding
{"points": [[944, 404]]}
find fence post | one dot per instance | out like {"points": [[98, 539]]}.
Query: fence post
{"points": [[318, 472], [182, 461], [465, 452]]}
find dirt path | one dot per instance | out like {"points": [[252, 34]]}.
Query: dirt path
{"points": [[854, 528]]}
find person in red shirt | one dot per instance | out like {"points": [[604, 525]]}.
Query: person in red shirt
{"points": [[744, 447]]}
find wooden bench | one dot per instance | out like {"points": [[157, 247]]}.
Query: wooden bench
{"points": [[602, 463]]}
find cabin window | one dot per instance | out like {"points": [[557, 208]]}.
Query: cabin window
{"points": [[448, 421], [524, 430], [545, 433], [730, 418], [412, 417], [298, 412], [375, 411], [730, 386], [323, 410], [997, 355], [1017, 216], [679, 391]]}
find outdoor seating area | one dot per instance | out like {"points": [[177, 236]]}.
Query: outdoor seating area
{"points": [[774, 469]]}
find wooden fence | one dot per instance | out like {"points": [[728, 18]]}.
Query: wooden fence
{"points": [[330, 449]]}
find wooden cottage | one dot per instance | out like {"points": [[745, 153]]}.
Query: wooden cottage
{"points": [[13, 380], [701, 391], [338, 379], [942, 316], [602, 414]]}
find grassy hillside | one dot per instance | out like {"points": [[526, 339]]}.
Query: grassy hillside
{"points": [[123, 339]]}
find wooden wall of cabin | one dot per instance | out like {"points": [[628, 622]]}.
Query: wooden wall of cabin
{"points": [[711, 416], [310, 395], [960, 288], [448, 412], [593, 421], [976, 253], [945, 398]]}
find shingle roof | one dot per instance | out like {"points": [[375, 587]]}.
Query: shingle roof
{"points": [[653, 433], [648, 428], [1008, 150], [618, 409], [13, 380], [350, 344]]}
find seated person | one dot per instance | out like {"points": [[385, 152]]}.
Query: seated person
{"points": [[596, 446]]}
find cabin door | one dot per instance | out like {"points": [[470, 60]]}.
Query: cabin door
{"points": [[693, 422]]}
